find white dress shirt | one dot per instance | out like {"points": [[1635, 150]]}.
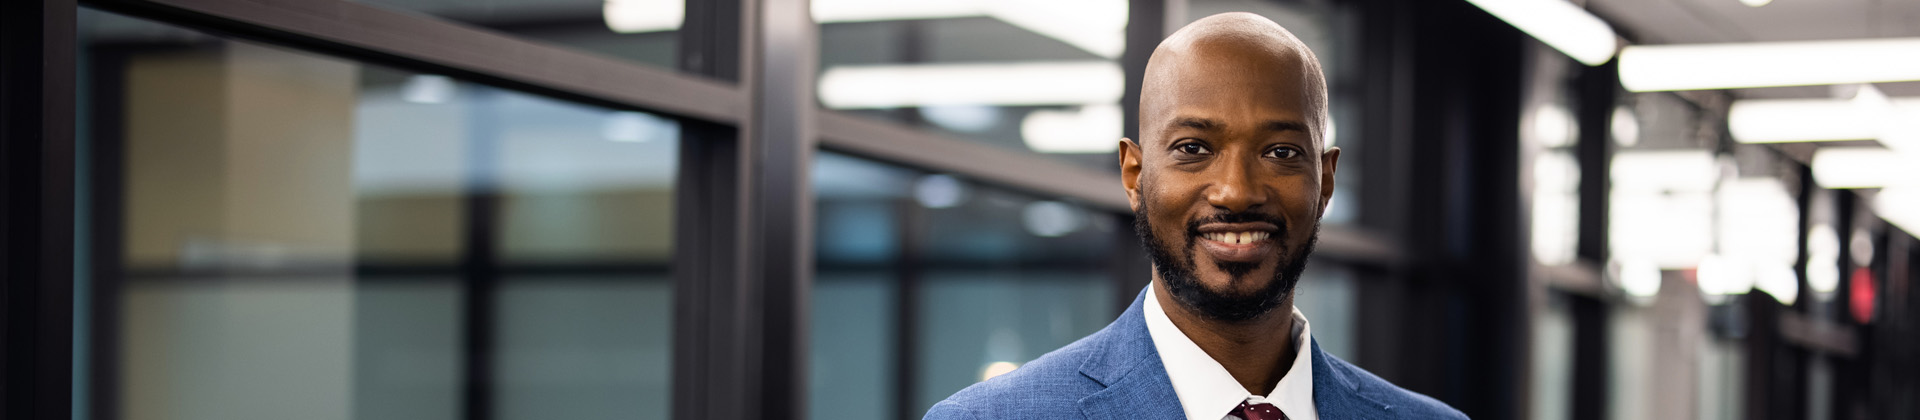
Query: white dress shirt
{"points": [[1208, 392]]}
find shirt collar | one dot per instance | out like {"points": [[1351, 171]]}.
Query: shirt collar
{"points": [[1207, 391]]}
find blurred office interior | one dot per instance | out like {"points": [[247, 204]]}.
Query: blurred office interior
{"points": [[850, 209]]}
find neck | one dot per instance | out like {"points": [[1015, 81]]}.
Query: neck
{"points": [[1256, 352]]}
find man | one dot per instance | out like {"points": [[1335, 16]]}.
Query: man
{"points": [[1227, 182]]}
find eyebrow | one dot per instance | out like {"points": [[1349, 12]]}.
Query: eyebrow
{"points": [[1204, 124]]}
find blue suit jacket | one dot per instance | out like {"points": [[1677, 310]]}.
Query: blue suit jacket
{"points": [[1116, 374]]}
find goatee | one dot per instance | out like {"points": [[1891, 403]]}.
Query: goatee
{"points": [[1177, 268]]}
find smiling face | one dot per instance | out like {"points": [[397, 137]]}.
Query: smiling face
{"points": [[1229, 179]]}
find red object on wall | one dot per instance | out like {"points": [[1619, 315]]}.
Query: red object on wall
{"points": [[1860, 294]]}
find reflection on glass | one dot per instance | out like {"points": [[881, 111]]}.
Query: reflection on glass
{"points": [[986, 279], [1009, 74], [644, 31], [287, 235]]}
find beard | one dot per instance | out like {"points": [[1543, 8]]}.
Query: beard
{"points": [[1174, 263]]}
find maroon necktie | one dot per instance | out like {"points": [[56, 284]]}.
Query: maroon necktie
{"points": [[1261, 411]]}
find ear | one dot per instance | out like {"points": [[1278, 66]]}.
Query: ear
{"points": [[1329, 163], [1130, 171]]}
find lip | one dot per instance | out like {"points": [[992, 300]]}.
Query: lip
{"points": [[1251, 252]]}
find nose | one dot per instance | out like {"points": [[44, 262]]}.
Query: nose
{"points": [[1236, 187]]}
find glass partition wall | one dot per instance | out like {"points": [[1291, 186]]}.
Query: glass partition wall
{"points": [[282, 232], [421, 209]]}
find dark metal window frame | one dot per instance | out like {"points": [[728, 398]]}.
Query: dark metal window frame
{"points": [[743, 93], [36, 208]]}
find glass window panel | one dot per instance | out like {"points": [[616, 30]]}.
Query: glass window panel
{"points": [[293, 236], [1328, 294], [975, 322], [1552, 375], [1001, 278], [853, 345], [643, 31], [585, 347]]}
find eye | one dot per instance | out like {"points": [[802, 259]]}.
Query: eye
{"points": [[1283, 153], [1193, 149]]}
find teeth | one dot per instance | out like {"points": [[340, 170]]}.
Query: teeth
{"points": [[1237, 237]]}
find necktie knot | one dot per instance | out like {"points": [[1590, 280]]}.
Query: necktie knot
{"points": [[1261, 411]]}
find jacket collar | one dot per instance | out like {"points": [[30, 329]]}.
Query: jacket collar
{"points": [[1126, 363], [1338, 394]]}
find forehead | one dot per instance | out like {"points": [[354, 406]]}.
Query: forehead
{"points": [[1241, 86]]}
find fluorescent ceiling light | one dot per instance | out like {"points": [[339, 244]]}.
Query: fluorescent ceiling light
{"points": [[1692, 170], [1669, 230], [1900, 206], [1870, 115], [1862, 167], [1662, 206], [1091, 129], [1560, 25], [1026, 83], [1763, 64], [880, 10], [1097, 26], [1759, 222], [1794, 120], [634, 16]]}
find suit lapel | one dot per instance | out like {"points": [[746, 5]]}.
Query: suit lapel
{"points": [[1338, 395], [1127, 364], [1137, 386]]}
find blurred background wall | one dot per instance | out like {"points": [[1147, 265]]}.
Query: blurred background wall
{"points": [[850, 209]]}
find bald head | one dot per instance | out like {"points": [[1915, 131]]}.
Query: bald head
{"points": [[1232, 60]]}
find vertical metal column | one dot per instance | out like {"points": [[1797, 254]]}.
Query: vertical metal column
{"points": [[1465, 214], [710, 200], [906, 376], [783, 142], [1597, 86], [479, 260], [36, 208], [744, 264]]}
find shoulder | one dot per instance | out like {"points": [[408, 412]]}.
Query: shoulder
{"points": [[1401, 402], [1048, 387]]}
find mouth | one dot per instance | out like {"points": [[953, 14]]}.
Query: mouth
{"points": [[1236, 238], [1240, 242]]}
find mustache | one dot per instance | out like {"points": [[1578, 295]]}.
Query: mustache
{"points": [[1193, 227]]}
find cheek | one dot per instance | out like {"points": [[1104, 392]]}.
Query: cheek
{"points": [[1166, 214], [1300, 205]]}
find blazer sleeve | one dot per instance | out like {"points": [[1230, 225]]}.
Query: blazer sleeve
{"points": [[949, 410]]}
